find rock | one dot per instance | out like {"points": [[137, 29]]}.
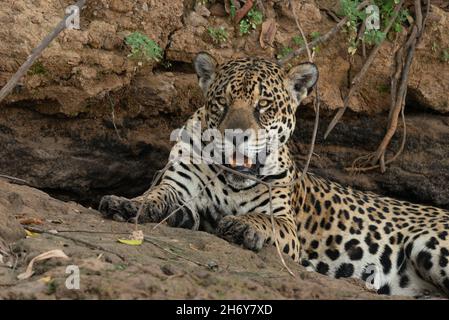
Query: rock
{"points": [[79, 158], [97, 45], [429, 72]]}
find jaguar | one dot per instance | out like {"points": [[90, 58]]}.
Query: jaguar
{"points": [[401, 247]]}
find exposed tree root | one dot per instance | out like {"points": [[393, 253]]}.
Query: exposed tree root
{"points": [[399, 79], [356, 81], [243, 11]]}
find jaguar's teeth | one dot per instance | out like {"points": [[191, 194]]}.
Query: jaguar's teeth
{"points": [[234, 162]]}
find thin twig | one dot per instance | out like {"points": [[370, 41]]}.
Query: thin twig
{"points": [[36, 53], [148, 239], [298, 24], [76, 240], [15, 179], [331, 14], [113, 116], [273, 230], [314, 134]]}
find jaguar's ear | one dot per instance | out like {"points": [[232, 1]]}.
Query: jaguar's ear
{"points": [[300, 79], [205, 66]]}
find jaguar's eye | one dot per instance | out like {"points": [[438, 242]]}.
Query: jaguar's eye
{"points": [[263, 105], [222, 101]]}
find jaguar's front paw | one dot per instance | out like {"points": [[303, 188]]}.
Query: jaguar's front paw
{"points": [[232, 229], [124, 209], [118, 208]]}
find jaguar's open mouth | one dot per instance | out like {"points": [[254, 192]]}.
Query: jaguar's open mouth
{"points": [[243, 164]]}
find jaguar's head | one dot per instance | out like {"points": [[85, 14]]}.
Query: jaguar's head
{"points": [[253, 98]]}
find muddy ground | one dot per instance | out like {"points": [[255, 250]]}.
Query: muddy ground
{"points": [[87, 121]]}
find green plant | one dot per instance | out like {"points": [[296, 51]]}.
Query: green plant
{"points": [[435, 47], [244, 27], [383, 88], [298, 41], [445, 55], [252, 19], [284, 52], [143, 48], [357, 17], [120, 266], [218, 35], [232, 9], [37, 69], [255, 17], [315, 35], [374, 36], [51, 287]]}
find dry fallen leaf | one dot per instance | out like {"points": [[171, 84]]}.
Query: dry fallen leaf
{"points": [[28, 221], [130, 242], [31, 234], [43, 256], [191, 246], [45, 280], [136, 238], [268, 32]]}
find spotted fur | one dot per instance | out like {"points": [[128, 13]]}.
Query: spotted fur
{"points": [[401, 247]]}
